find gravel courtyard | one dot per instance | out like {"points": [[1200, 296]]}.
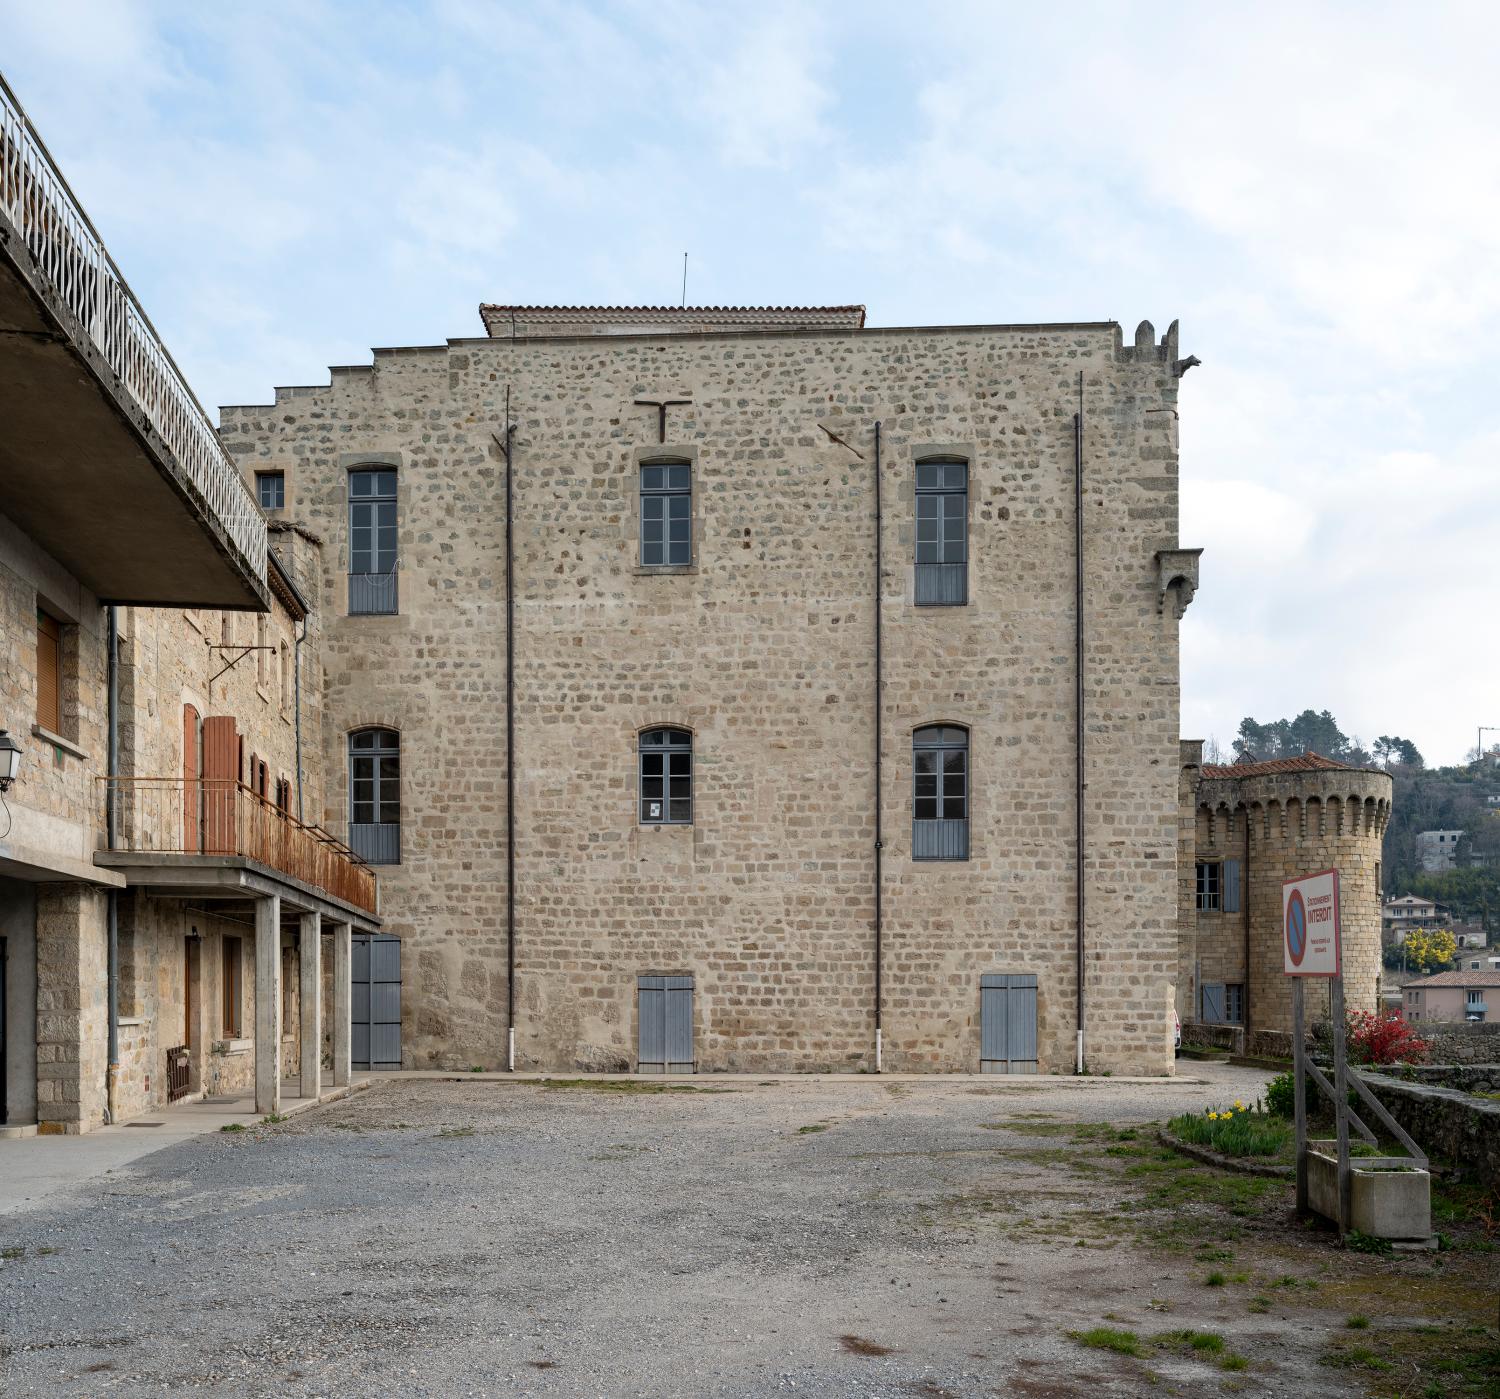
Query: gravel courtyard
{"points": [[455, 1237]]}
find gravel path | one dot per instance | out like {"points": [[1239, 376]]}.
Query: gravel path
{"points": [[460, 1238]]}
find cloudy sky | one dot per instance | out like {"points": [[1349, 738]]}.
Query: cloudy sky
{"points": [[1314, 190]]}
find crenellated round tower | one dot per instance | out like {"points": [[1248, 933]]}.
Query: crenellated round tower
{"points": [[1253, 826]]}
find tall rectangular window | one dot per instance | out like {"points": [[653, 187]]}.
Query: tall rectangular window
{"points": [[372, 542], [666, 513], [375, 795], [233, 987], [48, 672], [270, 487], [666, 777], [940, 793], [942, 558], [1208, 886]]}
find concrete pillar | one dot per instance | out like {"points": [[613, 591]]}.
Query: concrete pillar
{"points": [[342, 1000], [310, 1000], [268, 1005]]}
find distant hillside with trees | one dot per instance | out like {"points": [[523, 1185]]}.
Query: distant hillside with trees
{"points": [[1423, 799]]}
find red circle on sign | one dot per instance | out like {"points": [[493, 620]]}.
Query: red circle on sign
{"points": [[1296, 927]]}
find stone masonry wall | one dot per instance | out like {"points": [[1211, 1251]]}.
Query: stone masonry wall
{"points": [[763, 649]]}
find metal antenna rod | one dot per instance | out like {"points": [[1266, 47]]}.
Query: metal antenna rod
{"points": [[684, 279]]}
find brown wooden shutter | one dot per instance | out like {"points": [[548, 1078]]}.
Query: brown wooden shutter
{"points": [[230, 1011], [48, 672], [192, 788], [221, 753]]}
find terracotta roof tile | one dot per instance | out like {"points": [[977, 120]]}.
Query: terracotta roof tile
{"points": [[1307, 762], [1487, 978], [675, 310]]}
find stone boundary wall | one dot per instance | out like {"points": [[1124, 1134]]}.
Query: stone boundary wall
{"points": [[1200, 1035], [1269, 1044], [1451, 1126], [1461, 1043], [1467, 1078]]}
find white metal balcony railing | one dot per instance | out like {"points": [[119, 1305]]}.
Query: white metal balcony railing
{"points": [[71, 255]]}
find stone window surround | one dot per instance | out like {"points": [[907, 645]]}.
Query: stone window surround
{"points": [[662, 451], [907, 529]]}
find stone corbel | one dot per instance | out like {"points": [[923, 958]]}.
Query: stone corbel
{"points": [[1177, 569]]}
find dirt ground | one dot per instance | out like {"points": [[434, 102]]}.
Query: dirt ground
{"points": [[931, 1237]]}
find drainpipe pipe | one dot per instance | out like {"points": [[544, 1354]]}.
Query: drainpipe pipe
{"points": [[1245, 914], [297, 708], [1080, 834], [111, 828], [510, 748], [879, 785]]}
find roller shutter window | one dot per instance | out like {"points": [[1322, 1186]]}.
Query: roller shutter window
{"points": [[48, 672]]}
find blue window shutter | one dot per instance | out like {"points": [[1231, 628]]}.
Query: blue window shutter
{"points": [[1231, 890]]}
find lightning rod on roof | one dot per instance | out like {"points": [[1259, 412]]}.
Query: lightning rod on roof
{"points": [[684, 279]]}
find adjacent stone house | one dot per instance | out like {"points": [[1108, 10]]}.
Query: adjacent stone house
{"points": [[716, 688], [162, 909], [1246, 828]]}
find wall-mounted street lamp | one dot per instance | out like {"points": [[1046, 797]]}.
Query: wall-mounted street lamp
{"points": [[10, 760]]}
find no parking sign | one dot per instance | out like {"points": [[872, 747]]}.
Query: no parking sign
{"points": [[1311, 945]]}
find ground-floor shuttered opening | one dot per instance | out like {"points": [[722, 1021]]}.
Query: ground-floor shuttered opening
{"points": [[1007, 1023]]}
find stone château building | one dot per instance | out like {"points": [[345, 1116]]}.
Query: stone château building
{"points": [[714, 687]]}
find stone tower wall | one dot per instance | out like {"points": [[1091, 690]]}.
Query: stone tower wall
{"points": [[1297, 823]]}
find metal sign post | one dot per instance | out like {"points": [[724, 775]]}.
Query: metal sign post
{"points": [[1312, 947]]}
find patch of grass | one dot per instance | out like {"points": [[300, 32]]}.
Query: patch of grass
{"points": [[1368, 1243], [233, 1127], [1204, 1342], [272, 1118], [1260, 1305], [456, 1132], [1240, 1134], [1110, 1338], [479, 1069], [1357, 1323], [12, 1252], [1354, 1358], [1215, 1279], [861, 1345], [1233, 1361], [812, 1127]]}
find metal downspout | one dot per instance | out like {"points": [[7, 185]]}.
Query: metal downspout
{"points": [[111, 829], [297, 708], [1245, 914], [510, 748], [879, 785], [1080, 834]]}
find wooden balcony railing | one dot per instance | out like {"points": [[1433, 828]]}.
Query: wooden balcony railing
{"points": [[207, 816]]}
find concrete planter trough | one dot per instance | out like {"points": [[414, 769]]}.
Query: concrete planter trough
{"points": [[1386, 1204]]}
